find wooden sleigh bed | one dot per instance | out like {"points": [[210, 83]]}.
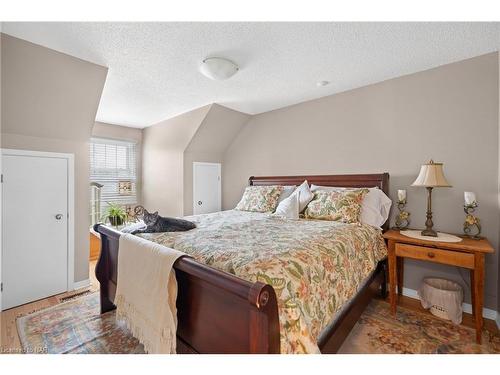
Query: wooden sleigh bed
{"points": [[221, 313]]}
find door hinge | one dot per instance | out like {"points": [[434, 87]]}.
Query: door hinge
{"points": [[1, 178], [1, 287]]}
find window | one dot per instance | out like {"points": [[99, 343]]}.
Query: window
{"points": [[113, 167]]}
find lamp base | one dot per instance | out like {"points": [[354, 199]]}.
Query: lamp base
{"points": [[429, 233]]}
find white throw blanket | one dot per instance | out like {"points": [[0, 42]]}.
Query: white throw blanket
{"points": [[146, 292]]}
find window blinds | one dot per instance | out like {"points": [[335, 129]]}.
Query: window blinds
{"points": [[113, 164]]}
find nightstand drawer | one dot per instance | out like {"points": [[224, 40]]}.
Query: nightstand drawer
{"points": [[454, 258]]}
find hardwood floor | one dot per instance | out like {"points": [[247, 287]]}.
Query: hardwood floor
{"points": [[414, 304], [9, 339]]}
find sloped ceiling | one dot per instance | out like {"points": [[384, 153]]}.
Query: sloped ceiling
{"points": [[47, 93], [163, 148], [154, 65], [217, 130]]}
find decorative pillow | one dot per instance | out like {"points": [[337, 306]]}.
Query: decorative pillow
{"points": [[375, 207], [289, 207], [342, 205], [260, 198], [305, 195], [287, 191]]}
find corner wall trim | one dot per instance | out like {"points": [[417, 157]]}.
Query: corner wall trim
{"points": [[487, 313], [81, 284]]}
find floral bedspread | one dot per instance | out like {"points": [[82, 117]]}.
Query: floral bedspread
{"points": [[314, 266]]}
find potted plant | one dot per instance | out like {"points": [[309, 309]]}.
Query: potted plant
{"points": [[115, 213]]}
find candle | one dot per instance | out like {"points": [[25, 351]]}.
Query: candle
{"points": [[402, 195], [470, 198]]}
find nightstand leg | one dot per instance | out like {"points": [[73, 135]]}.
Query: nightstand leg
{"points": [[392, 276], [472, 294], [383, 287], [400, 265], [478, 293]]}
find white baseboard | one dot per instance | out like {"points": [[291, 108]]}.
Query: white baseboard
{"points": [[466, 307], [81, 284]]}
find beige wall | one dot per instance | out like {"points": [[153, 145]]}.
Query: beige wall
{"points": [[47, 93], [449, 113], [112, 131], [163, 161], [49, 103], [0, 170], [123, 133], [498, 272], [216, 132]]}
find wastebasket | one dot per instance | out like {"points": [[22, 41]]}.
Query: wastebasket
{"points": [[443, 298]]}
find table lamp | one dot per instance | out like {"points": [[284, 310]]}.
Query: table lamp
{"points": [[431, 175]]}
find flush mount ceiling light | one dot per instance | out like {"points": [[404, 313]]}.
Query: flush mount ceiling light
{"points": [[218, 68]]}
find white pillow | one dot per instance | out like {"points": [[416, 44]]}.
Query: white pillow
{"points": [[287, 191], [289, 207], [375, 207], [305, 195]]}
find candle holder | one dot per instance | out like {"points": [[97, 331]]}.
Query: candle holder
{"points": [[472, 223], [403, 217]]}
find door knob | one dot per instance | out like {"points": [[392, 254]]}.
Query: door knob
{"points": [[200, 203], [58, 216]]}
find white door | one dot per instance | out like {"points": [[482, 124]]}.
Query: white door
{"points": [[34, 227], [206, 188]]}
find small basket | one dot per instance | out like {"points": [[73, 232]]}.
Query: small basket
{"points": [[439, 311], [443, 298]]}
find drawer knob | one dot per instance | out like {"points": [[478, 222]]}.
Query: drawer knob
{"points": [[430, 254]]}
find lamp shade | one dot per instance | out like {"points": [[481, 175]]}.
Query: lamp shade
{"points": [[431, 175]]}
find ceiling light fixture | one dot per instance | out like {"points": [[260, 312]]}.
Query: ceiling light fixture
{"points": [[322, 83], [218, 68]]}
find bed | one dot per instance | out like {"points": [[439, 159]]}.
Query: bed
{"points": [[232, 298]]}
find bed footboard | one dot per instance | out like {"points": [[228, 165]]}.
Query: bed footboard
{"points": [[217, 312]]}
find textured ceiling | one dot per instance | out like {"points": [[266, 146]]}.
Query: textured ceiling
{"points": [[153, 67]]}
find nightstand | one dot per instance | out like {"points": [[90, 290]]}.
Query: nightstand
{"points": [[468, 253]]}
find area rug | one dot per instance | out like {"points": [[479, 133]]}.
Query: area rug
{"points": [[75, 327], [377, 331]]}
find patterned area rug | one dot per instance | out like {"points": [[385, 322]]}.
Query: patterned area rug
{"points": [[75, 327], [413, 332]]}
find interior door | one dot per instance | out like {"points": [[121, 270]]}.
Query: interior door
{"points": [[34, 228], [206, 188]]}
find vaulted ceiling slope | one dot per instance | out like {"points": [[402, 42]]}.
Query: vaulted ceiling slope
{"points": [[153, 66], [46, 93], [217, 130], [171, 146]]}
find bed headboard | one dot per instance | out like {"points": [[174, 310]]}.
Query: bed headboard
{"points": [[381, 180]]}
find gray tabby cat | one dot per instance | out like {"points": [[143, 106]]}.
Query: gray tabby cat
{"points": [[157, 224]]}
